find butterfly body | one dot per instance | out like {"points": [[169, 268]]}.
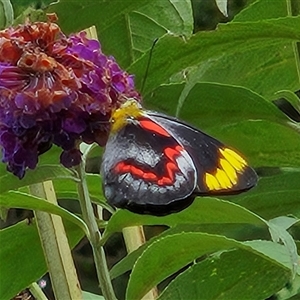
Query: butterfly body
{"points": [[156, 165]]}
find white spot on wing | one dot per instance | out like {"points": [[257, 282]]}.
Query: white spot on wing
{"points": [[163, 190], [146, 155], [184, 163]]}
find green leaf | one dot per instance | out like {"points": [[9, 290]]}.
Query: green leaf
{"points": [[22, 5], [222, 6], [94, 185], [6, 13], [291, 291], [289, 96], [66, 189], [204, 210], [8, 181], [131, 27], [253, 277], [26, 201], [238, 231], [3, 213], [51, 157], [207, 104], [90, 296], [260, 69], [279, 234], [35, 15], [192, 246], [275, 195], [261, 9], [284, 222], [20, 249], [255, 139], [277, 252], [173, 54]]}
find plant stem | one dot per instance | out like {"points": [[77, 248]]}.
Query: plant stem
{"points": [[36, 292], [95, 236], [134, 237], [56, 247]]}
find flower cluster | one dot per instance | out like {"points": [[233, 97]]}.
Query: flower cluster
{"points": [[54, 89]]}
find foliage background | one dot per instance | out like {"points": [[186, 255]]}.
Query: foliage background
{"points": [[222, 80]]}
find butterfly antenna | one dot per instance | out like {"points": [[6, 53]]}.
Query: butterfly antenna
{"points": [[148, 65]]}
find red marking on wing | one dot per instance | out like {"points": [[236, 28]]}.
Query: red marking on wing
{"points": [[167, 179], [119, 168], [149, 176], [171, 168], [164, 181], [152, 126], [122, 167], [171, 153], [136, 171]]}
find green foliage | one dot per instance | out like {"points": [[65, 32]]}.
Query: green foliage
{"points": [[22, 258], [217, 271], [6, 14], [203, 211], [194, 245], [222, 81]]}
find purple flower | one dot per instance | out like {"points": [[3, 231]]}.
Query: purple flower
{"points": [[55, 89]]}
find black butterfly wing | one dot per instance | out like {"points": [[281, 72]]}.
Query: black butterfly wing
{"points": [[146, 170], [220, 169]]}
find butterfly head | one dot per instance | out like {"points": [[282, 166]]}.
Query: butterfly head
{"points": [[126, 113]]}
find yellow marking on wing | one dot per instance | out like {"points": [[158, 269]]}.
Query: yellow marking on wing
{"points": [[225, 175], [234, 159], [120, 116], [223, 179], [212, 182], [229, 170], [237, 156]]}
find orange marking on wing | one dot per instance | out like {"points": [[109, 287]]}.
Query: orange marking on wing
{"points": [[152, 126]]}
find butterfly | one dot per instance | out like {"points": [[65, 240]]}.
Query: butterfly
{"points": [[155, 164]]}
